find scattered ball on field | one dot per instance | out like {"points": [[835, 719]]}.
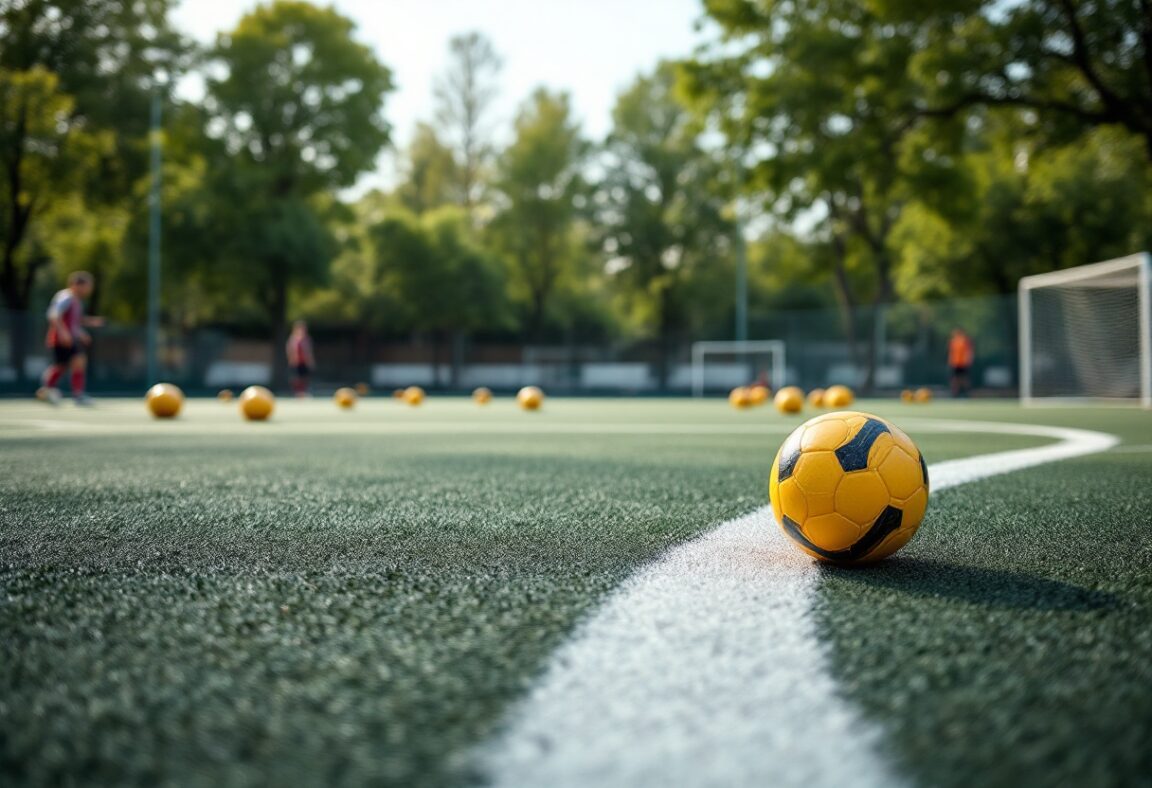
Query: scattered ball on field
{"points": [[482, 396], [345, 397], [923, 395], [849, 487], [789, 399], [414, 395], [906, 395], [398, 393], [759, 393], [740, 397], [816, 398], [838, 397], [257, 403], [164, 400], [363, 389], [530, 398], [225, 395]]}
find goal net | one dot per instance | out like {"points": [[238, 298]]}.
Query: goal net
{"points": [[1085, 332], [721, 366]]}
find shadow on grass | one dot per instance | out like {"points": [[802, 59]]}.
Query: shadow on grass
{"points": [[975, 585]]}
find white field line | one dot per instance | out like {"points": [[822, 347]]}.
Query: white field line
{"points": [[705, 669]]}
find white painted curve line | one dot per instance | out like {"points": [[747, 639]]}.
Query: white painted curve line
{"points": [[705, 669]]}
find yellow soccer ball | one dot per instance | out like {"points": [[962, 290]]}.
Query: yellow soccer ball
{"points": [[906, 395], [530, 398], [345, 398], [740, 397], [923, 395], [838, 397], [759, 393], [789, 399], [816, 398], [413, 395], [363, 389], [257, 403], [164, 400], [225, 395], [398, 394], [849, 487], [482, 396]]}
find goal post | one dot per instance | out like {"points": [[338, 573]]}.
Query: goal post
{"points": [[772, 348], [1086, 333]]}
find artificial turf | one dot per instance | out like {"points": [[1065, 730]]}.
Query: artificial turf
{"points": [[356, 597]]}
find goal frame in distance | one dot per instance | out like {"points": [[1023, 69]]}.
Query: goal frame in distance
{"points": [[701, 349], [1142, 262]]}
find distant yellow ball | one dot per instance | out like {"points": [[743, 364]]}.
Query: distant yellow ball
{"points": [[225, 395], [363, 389], [849, 487], [759, 393], [789, 399], [164, 400], [816, 398], [923, 395], [397, 393], [482, 396], [345, 398], [838, 397], [530, 398], [414, 395], [740, 397], [257, 403], [907, 396]]}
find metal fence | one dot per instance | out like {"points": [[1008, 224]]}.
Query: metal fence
{"points": [[901, 345]]}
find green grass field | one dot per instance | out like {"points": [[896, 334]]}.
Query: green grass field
{"points": [[357, 597]]}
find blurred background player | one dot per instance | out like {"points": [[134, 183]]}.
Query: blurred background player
{"points": [[67, 340], [960, 356], [300, 358]]}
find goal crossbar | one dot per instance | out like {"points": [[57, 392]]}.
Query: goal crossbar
{"points": [[700, 350]]}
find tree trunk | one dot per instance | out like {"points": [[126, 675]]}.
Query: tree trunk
{"points": [[665, 341], [458, 340], [18, 332], [278, 312]]}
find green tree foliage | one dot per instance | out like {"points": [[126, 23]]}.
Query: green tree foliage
{"points": [[1023, 212], [298, 110], [442, 282], [1075, 64], [540, 186], [820, 95], [464, 96], [432, 176], [659, 209]]}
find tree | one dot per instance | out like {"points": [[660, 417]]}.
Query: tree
{"points": [[432, 174], [464, 96], [819, 98], [1074, 64], [299, 112], [658, 206], [443, 283], [45, 158], [74, 133], [539, 182]]}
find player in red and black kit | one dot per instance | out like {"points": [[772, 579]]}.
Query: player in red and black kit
{"points": [[67, 339], [300, 358]]}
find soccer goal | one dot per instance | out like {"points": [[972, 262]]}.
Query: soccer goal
{"points": [[736, 363], [1086, 333]]}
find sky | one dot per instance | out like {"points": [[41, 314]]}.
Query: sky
{"points": [[591, 48]]}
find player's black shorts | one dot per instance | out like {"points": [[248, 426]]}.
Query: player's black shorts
{"points": [[960, 371], [302, 370], [62, 355]]}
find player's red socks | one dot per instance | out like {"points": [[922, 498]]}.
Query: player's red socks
{"points": [[52, 376], [77, 383]]}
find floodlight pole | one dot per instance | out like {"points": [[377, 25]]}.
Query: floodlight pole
{"points": [[153, 335], [741, 280]]}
